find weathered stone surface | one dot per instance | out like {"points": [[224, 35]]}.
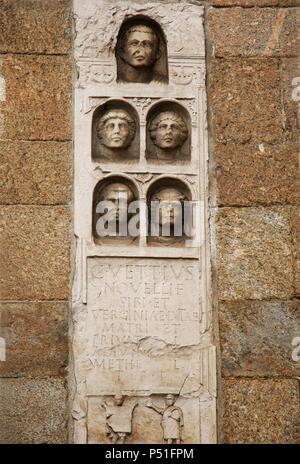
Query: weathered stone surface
{"points": [[256, 338], [35, 248], [35, 172], [142, 318], [290, 77], [289, 31], [262, 174], [32, 411], [260, 411], [38, 97], [36, 336], [254, 253], [258, 3], [245, 101], [254, 32], [35, 26], [295, 221]]}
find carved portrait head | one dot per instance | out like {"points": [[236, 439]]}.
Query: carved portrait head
{"points": [[170, 400], [170, 201], [139, 48], [169, 212], [116, 129], [118, 399], [119, 195], [114, 205], [168, 130]]}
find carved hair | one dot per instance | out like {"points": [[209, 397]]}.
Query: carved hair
{"points": [[121, 188], [121, 114], [181, 196], [168, 115], [139, 28]]}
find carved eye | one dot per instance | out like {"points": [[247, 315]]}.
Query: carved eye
{"points": [[147, 44]]}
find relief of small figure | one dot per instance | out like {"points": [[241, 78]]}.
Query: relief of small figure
{"points": [[168, 132], [119, 419], [138, 52], [115, 130], [172, 420]]}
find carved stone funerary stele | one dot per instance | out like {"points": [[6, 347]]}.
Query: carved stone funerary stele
{"points": [[144, 367]]}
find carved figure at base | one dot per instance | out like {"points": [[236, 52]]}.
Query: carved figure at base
{"points": [[118, 419], [172, 420]]}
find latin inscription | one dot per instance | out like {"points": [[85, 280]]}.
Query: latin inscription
{"points": [[140, 316]]}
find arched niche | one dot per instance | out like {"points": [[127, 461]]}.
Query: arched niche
{"points": [[168, 138], [164, 229], [115, 133], [141, 52], [110, 223]]}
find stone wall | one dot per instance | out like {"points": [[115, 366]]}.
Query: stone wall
{"points": [[255, 205], [252, 49], [35, 195]]}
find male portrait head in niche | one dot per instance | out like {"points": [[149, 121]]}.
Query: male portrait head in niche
{"points": [[119, 195], [168, 131], [139, 49], [167, 215], [112, 213], [116, 130]]}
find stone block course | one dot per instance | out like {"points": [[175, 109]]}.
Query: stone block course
{"points": [[38, 97], [35, 173], [255, 32], [256, 338], [33, 411], [245, 101], [257, 174], [261, 411], [35, 253], [36, 336], [254, 253], [35, 26]]}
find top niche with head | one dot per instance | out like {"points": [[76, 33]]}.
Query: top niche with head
{"points": [[141, 52]]}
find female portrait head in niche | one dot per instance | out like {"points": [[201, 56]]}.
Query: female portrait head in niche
{"points": [[168, 132], [141, 52], [170, 214], [115, 135], [116, 129], [168, 136]]}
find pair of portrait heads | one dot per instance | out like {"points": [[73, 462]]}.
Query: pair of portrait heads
{"points": [[141, 52], [116, 133], [116, 211]]}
